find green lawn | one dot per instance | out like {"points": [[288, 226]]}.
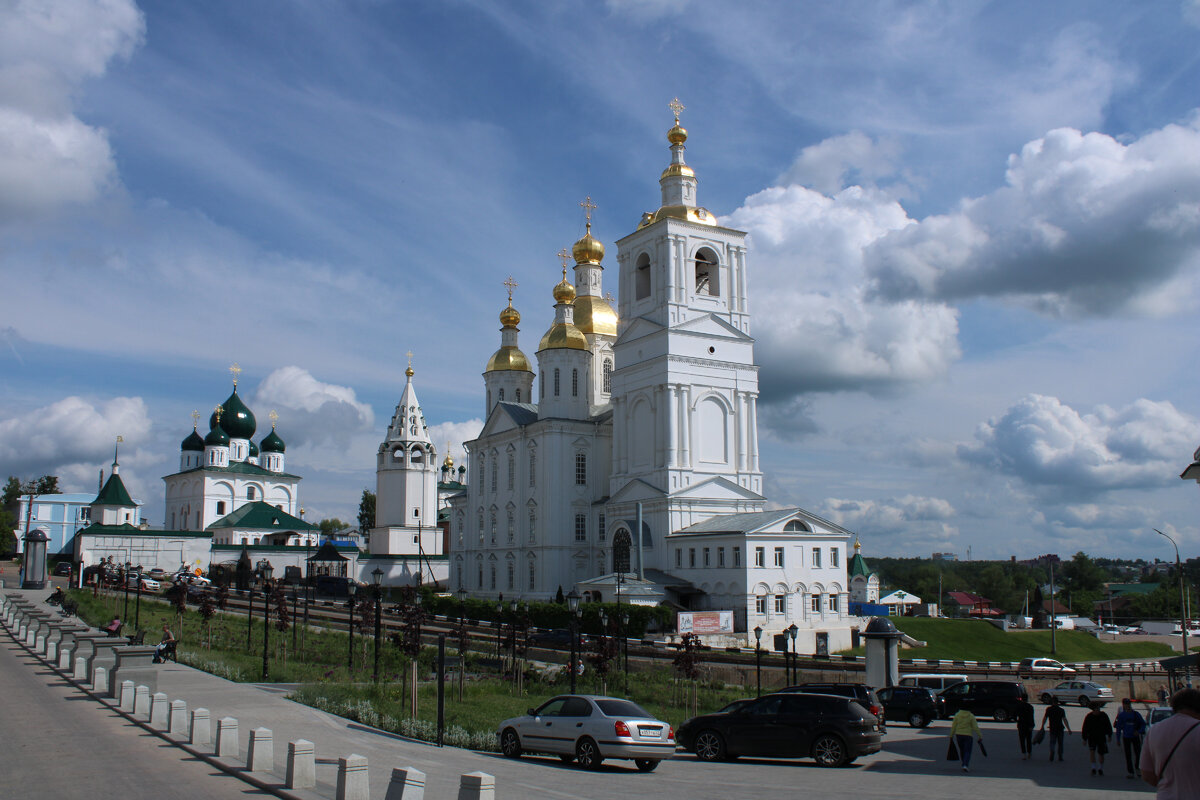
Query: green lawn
{"points": [[975, 640]]}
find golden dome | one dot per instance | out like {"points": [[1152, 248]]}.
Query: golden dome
{"points": [[448, 462], [564, 292], [563, 336], [678, 171], [508, 359], [409, 372], [678, 134], [701, 216], [588, 250], [595, 315], [510, 317]]}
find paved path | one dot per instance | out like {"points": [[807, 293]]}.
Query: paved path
{"points": [[912, 765]]}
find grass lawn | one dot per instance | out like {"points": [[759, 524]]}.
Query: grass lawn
{"points": [[975, 640]]}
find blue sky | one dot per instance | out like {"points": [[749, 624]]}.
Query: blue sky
{"points": [[974, 227]]}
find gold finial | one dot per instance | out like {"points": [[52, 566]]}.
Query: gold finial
{"points": [[195, 419], [510, 284], [409, 371], [218, 411], [564, 255], [120, 439], [588, 206], [676, 107], [235, 371], [273, 417]]}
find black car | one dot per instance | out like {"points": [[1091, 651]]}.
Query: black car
{"points": [[996, 699], [833, 730], [912, 704], [557, 638], [864, 694], [63, 568]]}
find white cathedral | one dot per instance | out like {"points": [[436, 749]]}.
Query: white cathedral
{"points": [[632, 469]]}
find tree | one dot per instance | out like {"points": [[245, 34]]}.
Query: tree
{"points": [[14, 488], [333, 525], [366, 511]]}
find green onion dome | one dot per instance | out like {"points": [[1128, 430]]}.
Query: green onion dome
{"points": [[193, 442], [253, 450], [237, 420], [217, 437], [272, 443]]}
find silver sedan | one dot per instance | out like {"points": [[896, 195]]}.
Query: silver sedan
{"points": [[1083, 692], [589, 729]]}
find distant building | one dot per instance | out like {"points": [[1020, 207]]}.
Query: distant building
{"points": [[864, 584], [966, 604], [900, 603], [945, 556], [59, 515]]}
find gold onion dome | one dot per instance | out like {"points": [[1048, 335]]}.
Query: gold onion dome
{"points": [[588, 250], [510, 317], [564, 292], [448, 463], [508, 359], [563, 336], [678, 134], [595, 315]]}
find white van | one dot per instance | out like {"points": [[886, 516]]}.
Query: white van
{"points": [[932, 680]]}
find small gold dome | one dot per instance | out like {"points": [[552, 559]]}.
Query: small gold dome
{"points": [[564, 292], [595, 315], [588, 250], [563, 336], [409, 372], [510, 317], [700, 216], [678, 134], [678, 171], [448, 462], [508, 359]]}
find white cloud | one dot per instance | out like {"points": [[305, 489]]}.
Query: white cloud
{"points": [[48, 157], [71, 431], [1046, 444], [312, 412], [829, 166], [1085, 225], [455, 433], [912, 519]]}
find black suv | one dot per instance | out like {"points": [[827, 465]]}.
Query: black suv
{"points": [[915, 705], [864, 694], [833, 730], [996, 699]]}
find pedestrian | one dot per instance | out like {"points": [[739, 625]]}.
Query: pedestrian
{"points": [[1162, 695], [1130, 728], [964, 731], [1096, 731], [1171, 755], [1059, 726], [1025, 723]]}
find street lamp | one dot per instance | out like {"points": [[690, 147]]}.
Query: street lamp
{"points": [[625, 647], [462, 604], [1182, 605], [267, 572], [573, 607], [512, 626], [792, 631], [353, 590], [377, 576], [758, 657], [138, 603], [496, 625]]}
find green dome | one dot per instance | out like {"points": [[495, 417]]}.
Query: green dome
{"points": [[217, 436], [237, 420], [253, 450], [193, 442], [272, 443]]}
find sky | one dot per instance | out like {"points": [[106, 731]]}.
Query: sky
{"points": [[974, 235]]}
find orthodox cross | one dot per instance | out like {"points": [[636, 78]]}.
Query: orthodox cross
{"points": [[410, 355], [676, 107], [588, 206], [235, 371], [564, 255], [218, 411], [273, 417], [609, 297], [511, 284], [195, 419]]}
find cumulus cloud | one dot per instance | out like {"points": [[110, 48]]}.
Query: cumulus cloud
{"points": [[1085, 225], [48, 156], [455, 433], [312, 412], [1047, 444], [69, 432], [892, 515], [829, 166]]}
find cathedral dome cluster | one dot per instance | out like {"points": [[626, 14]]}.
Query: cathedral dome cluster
{"points": [[230, 438]]}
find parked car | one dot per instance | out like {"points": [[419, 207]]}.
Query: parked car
{"points": [[995, 699], [558, 638], [158, 574], [932, 680], [63, 568], [864, 694], [589, 729], [148, 584], [1158, 714], [1085, 692], [831, 729], [1041, 666], [912, 704]]}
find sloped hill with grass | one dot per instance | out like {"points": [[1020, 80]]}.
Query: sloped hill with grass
{"points": [[975, 640]]}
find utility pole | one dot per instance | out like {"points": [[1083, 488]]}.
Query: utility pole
{"points": [[1053, 616]]}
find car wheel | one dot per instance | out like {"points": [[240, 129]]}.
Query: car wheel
{"points": [[1046, 698], [830, 751], [917, 719], [1001, 715], [1084, 700], [710, 746], [566, 758], [510, 743], [588, 754], [646, 764]]}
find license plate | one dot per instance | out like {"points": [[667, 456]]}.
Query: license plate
{"points": [[649, 730]]}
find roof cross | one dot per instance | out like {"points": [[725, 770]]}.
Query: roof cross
{"points": [[676, 107], [564, 255], [510, 284], [588, 207], [273, 417], [195, 419], [235, 371], [218, 411]]}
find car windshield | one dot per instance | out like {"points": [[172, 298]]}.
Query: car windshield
{"points": [[622, 708]]}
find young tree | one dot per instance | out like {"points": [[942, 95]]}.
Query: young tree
{"points": [[207, 611], [366, 511]]}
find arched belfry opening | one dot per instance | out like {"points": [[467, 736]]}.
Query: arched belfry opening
{"points": [[708, 278], [642, 277]]}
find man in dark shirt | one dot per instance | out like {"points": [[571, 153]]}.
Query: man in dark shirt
{"points": [[1057, 718], [1025, 722]]}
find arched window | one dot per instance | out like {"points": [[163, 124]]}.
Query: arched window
{"points": [[574, 383], [494, 471], [511, 527], [512, 471], [493, 527], [542, 384], [492, 585], [620, 551], [501, 395], [249, 492], [708, 279], [532, 574], [581, 469], [532, 470], [481, 534], [479, 582], [642, 277], [512, 575], [532, 527], [556, 381], [607, 369], [518, 395], [795, 525], [417, 456]]}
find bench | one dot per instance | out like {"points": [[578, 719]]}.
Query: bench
{"points": [[114, 632], [167, 653], [139, 638], [70, 607]]}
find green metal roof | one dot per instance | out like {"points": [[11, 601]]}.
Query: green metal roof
{"points": [[114, 493], [262, 516], [858, 566], [125, 529], [242, 468]]}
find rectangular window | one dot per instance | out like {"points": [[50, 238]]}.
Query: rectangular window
{"points": [[720, 556], [532, 575], [602, 524], [816, 604], [692, 557], [707, 561], [833, 557], [760, 605], [737, 556], [581, 469], [816, 561], [532, 470], [580, 528], [512, 575], [220, 506], [780, 604], [679, 556], [833, 602], [779, 556], [760, 556]]}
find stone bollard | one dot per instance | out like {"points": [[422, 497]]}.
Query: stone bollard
{"points": [[52, 652], [261, 755], [352, 781], [177, 718], [141, 701], [159, 706], [477, 786], [200, 732], [100, 680], [407, 784], [301, 765], [126, 699], [227, 737], [64, 657], [80, 673], [39, 643]]}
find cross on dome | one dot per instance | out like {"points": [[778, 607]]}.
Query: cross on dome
{"points": [[510, 284], [195, 419], [274, 417], [235, 371], [409, 371], [676, 107]]}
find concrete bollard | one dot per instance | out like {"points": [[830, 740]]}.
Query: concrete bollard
{"points": [[100, 680], [352, 783], [39, 643], [301, 765], [200, 731], [261, 755], [52, 652], [159, 706], [64, 657], [477, 786], [407, 784], [80, 673], [126, 699], [141, 701], [177, 718], [227, 737]]}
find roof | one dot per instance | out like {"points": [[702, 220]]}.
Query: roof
{"points": [[1119, 589], [966, 598], [125, 529], [327, 552], [241, 468], [899, 597], [522, 413], [740, 523], [858, 566], [261, 516], [114, 493]]}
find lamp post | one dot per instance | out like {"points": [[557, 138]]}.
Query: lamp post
{"points": [[625, 647], [1182, 605], [793, 631], [137, 623], [377, 577], [249, 615], [125, 580], [353, 590], [496, 625], [512, 627], [267, 572], [462, 604], [573, 607], [758, 657]]}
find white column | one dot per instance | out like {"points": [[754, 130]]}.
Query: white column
{"points": [[740, 413], [752, 422], [685, 427], [661, 432], [672, 423]]}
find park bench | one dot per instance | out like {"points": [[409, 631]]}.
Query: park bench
{"points": [[70, 607], [168, 652], [139, 638]]}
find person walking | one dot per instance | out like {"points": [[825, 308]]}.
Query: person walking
{"points": [[1059, 726], [1130, 727], [1162, 695], [1096, 731], [1025, 723], [1171, 754], [964, 732]]}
